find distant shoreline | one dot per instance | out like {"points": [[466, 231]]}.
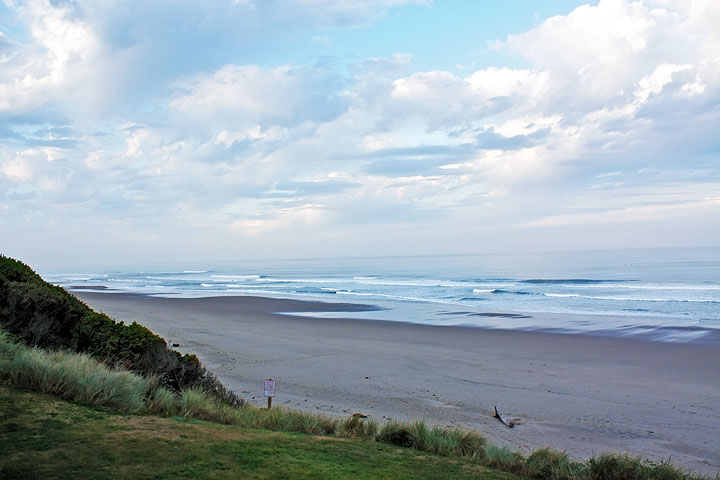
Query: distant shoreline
{"points": [[319, 308], [579, 393], [620, 293]]}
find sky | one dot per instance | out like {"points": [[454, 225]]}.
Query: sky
{"points": [[134, 132]]}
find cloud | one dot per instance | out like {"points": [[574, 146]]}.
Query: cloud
{"points": [[18, 168], [704, 207], [97, 56], [614, 45], [281, 218], [259, 97], [63, 46], [189, 123], [320, 186]]}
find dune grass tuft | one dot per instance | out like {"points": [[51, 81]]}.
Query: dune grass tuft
{"points": [[613, 467], [80, 378], [76, 377], [549, 464], [503, 458], [437, 440], [460, 443], [195, 404], [358, 427], [161, 400]]}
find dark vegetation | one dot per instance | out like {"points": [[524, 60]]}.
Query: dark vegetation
{"points": [[46, 316]]}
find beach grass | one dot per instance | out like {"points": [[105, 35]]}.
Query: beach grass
{"points": [[607, 467], [78, 377]]}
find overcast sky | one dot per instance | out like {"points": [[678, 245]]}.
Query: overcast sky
{"points": [[136, 131]]}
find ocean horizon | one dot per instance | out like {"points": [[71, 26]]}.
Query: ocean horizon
{"points": [[669, 294]]}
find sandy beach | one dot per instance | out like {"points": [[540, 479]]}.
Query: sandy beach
{"points": [[579, 393]]}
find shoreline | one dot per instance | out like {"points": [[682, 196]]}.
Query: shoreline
{"points": [[300, 306], [583, 394]]}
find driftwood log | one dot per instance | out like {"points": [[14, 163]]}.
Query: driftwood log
{"points": [[504, 420]]}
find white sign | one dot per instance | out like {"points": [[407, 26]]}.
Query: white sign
{"points": [[269, 387]]}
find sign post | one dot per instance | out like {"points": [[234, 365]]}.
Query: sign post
{"points": [[269, 391]]}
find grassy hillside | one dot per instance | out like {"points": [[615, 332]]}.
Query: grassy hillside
{"points": [[42, 436], [47, 316]]}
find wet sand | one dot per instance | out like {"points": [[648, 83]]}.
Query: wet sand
{"points": [[581, 394]]}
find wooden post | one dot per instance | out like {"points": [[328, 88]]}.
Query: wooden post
{"points": [[269, 391]]}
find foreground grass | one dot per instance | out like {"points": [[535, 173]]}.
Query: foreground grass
{"points": [[42, 436]]}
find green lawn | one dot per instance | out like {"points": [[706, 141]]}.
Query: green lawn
{"points": [[44, 437]]}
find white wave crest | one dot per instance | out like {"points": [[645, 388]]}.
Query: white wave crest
{"points": [[651, 286], [631, 299], [239, 277]]}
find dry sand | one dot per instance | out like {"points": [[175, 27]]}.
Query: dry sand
{"points": [[582, 394]]}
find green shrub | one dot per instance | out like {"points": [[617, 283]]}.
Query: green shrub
{"points": [[46, 316]]}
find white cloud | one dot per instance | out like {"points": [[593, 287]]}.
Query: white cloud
{"points": [[613, 97], [27, 165], [252, 134], [589, 36], [250, 96], [18, 168], [282, 218], [707, 206], [505, 82], [64, 50], [653, 84]]}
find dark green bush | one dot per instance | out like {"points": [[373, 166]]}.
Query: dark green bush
{"points": [[47, 316]]}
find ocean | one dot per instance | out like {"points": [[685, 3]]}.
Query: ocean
{"points": [[665, 294]]}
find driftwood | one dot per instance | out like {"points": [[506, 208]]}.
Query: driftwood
{"points": [[504, 420]]}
